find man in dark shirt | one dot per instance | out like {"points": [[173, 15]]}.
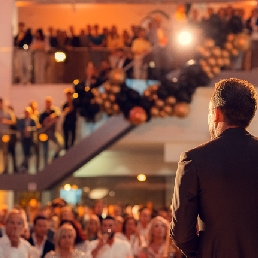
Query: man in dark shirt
{"points": [[48, 119]]}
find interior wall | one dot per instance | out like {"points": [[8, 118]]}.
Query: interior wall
{"points": [[63, 15], [123, 15]]}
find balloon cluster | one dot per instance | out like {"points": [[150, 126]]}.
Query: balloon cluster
{"points": [[83, 100], [169, 97], [107, 99]]}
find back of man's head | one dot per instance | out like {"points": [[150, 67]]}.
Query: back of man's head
{"points": [[237, 100]]}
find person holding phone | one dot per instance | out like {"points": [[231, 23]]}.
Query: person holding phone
{"points": [[107, 246]]}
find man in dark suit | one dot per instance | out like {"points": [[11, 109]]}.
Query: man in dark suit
{"points": [[123, 62], [217, 182], [39, 236]]}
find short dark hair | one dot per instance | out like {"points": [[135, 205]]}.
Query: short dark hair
{"points": [[127, 218], [38, 218], [108, 217], [237, 100]]}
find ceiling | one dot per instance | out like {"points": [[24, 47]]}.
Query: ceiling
{"points": [[126, 1]]}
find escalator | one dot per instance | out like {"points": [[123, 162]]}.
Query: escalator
{"points": [[86, 149]]}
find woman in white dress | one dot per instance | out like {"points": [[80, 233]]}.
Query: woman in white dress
{"points": [[64, 244]]}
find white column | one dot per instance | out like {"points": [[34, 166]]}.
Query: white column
{"points": [[7, 8], [6, 43]]}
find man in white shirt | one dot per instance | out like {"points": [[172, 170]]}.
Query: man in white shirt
{"points": [[11, 244], [144, 220], [108, 246]]}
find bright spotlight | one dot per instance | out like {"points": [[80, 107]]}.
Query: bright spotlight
{"points": [[185, 38], [141, 177], [60, 57]]}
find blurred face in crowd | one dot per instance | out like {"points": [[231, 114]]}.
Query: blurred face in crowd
{"points": [[93, 226], [14, 225], [48, 103], [108, 227], [98, 208], [130, 226], [27, 112], [119, 224], [90, 69], [145, 216], [66, 215], [40, 228], [159, 229], [33, 105], [67, 239]]}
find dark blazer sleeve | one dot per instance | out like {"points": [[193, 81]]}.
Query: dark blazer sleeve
{"points": [[47, 248], [185, 207]]}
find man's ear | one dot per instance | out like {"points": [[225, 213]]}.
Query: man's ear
{"points": [[218, 115]]}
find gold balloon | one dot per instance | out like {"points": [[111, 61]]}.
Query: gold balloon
{"points": [[182, 109], [112, 97], [107, 87], [95, 92], [226, 61], [99, 100], [216, 51], [162, 113], [225, 53], [209, 43], [115, 107], [234, 52], [154, 111], [159, 103], [168, 110], [230, 37], [212, 61], [107, 104], [203, 62], [220, 62], [201, 49], [215, 70], [115, 88], [154, 96], [147, 93], [103, 95], [229, 46], [154, 88], [206, 69], [171, 100]]}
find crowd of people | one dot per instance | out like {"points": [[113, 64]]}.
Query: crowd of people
{"points": [[35, 129], [58, 230], [38, 48], [34, 57]]}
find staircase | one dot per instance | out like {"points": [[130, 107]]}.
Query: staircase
{"points": [[77, 156]]}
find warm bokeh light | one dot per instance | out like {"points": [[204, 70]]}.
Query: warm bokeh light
{"points": [[67, 187], [5, 138], [43, 137], [185, 38], [98, 193], [75, 95], [60, 56], [76, 81], [141, 177]]}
